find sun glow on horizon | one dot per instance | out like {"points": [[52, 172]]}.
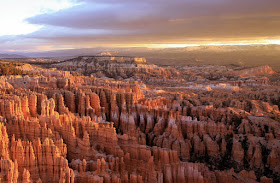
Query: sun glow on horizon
{"points": [[51, 47], [182, 45]]}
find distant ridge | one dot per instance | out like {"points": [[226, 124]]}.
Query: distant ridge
{"points": [[9, 56], [239, 55], [102, 58]]}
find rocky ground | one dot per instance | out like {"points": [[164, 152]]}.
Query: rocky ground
{"points": [[121, 119]]}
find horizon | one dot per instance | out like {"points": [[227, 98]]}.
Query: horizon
{"points": [[153, 46]]}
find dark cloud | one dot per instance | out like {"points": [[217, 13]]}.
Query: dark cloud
{"points": [[165, 18]]}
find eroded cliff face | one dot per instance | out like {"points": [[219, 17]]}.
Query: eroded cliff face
{"points": [[115, 67], [56, 127]]}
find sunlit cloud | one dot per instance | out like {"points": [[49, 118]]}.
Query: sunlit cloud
{"points": [[14, 12]]}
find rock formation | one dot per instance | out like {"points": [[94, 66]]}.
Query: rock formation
{"points": [[155, 126]]}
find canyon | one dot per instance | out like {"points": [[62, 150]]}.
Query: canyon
{"points": [[112, 119]]}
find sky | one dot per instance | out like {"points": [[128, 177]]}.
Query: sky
{"points": [[42, 25]]}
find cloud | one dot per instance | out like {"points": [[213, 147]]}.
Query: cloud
{"points": [[158, 21]]}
